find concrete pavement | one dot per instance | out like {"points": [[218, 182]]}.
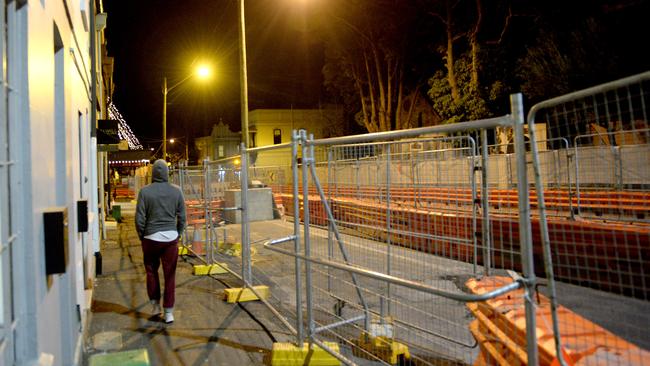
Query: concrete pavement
{"points": [[207, 330]]}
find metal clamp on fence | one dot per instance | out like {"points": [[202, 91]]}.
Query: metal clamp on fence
{"points": [[228, 208], [281, 240]]}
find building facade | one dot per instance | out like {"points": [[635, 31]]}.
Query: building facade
{"points": [[221, 143], [48, 163], [274, 126], [270, 127]]}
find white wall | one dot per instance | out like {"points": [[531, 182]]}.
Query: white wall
{"points": [[55, 156]]}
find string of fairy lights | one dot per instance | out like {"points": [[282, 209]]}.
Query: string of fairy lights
{"points": [[123, 130]]}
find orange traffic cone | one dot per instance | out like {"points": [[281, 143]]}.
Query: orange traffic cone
{"points": [[198, 243]]}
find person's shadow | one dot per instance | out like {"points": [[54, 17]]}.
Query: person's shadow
{"points": [[99, 306]]}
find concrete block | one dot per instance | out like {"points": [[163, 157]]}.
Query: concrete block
{"points": [[239, 294], [204, 270], [137, 357], [287, 354], [384, 348], [260, 204]]}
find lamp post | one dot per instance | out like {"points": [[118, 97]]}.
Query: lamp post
{"points": [[164, 136], [243, 78], [202, 72], [172, 141]]}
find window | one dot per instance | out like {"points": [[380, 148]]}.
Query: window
{"points": [[277, 136], [220, 153]]}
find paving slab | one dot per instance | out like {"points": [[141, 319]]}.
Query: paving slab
{"points": [[206, 330]]}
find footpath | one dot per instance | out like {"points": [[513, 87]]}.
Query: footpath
{"points": [[206, 330]]}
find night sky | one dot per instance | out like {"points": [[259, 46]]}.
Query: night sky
{"points": [[153, 39]]}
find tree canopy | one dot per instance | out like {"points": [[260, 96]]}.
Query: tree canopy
{"points": [[465, 56]]}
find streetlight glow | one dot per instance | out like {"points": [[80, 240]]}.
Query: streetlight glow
{"points": [[203, 72], [171, 141]]}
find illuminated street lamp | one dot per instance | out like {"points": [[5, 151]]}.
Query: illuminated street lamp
{"points": [[202, 72], [172, 141]]}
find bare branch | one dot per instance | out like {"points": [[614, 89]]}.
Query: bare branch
{"points": [[436, 15], [458, 36], [506, 25]]}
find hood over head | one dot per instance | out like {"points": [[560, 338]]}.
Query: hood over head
{"points": [[160, 171]]}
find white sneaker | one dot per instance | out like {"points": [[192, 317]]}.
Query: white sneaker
{"points": [[169, 316], [155, 308]]}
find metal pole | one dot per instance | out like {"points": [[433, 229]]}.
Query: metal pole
{"points": [[245, 240], [296, 233], [388, 234], [243, 77], [307, 250], [164, 133], [485, 198], [525, 236], [475, 204], [577, 166], [330, 242], [206, 214]]}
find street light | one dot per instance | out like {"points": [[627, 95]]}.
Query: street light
{"points": [[172, 141], [243, 78], [202, 72]]}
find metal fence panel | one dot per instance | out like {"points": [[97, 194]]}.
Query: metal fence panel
{"points": [[397, 233], [407, 209], [598, 260]]}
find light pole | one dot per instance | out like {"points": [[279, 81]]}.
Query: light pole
{"points": [[202, 72], [172, 141], [243, 78]]}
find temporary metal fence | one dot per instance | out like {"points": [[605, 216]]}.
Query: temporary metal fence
{"points": [[402, 226], [204, 189], [622, 158], [597, 264], [421, 244]]}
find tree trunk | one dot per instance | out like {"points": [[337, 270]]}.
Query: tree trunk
{"points": [[451, 75], [414, 99], [376, 126], [399, 124], [475, 47], [382, 92]]}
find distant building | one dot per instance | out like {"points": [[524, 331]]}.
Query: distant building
{"points": [[270, 127], [274, 126], [221, 143]]}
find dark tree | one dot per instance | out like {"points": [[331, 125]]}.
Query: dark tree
{"points": [[370, 48]]}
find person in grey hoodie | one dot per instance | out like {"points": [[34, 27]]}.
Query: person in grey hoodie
{"points": [[159, 222]]}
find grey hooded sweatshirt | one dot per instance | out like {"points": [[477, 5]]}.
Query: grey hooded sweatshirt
{"points": [[161, 206]]}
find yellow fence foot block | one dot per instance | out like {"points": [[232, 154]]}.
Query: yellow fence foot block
{"points": [[231, 249], [209, 269], [288, 354], [238, 294], [384, 348], [183, 251]]}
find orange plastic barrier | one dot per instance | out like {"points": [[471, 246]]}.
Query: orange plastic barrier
{"points": [[592, 245], [500, 329]]}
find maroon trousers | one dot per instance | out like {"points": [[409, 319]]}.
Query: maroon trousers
{"points": [[156, 252]]}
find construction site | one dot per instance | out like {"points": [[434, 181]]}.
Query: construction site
{"points": [[426, 246]]}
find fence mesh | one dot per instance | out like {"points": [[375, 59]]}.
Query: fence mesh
{"points": [[427, 210], [598, 225], [444, 212]]}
